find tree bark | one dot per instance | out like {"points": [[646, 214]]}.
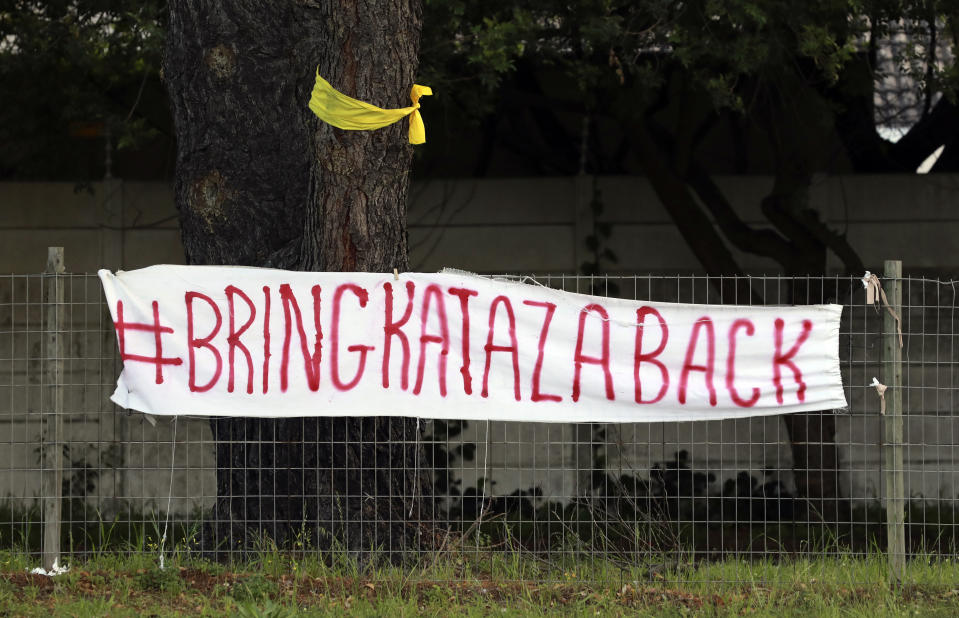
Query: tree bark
{"points": [[261, 181]]}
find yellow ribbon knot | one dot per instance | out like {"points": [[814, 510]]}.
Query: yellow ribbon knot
{"points": [[344, 112]]}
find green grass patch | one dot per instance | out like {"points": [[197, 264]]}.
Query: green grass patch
{"points": [[480, 582]]}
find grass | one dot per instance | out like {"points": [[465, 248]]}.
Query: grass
{"points": [[476, 583], [484, 574], [930, 528]]}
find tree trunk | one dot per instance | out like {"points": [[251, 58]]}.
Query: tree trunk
{"points": [[812, 435], [799, 244], [261, 181]]}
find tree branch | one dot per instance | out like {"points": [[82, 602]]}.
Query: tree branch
{"points": [[836, 242], [693, 224], [925, 136], [761, 242]]}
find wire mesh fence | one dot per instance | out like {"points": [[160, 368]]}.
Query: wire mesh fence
{"points": [[647, 499]]}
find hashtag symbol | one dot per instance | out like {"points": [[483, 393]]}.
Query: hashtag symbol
{"points": [[157, 330]]}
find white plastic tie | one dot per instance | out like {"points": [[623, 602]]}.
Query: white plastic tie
{"points": [[56, 569], [881, 391]]}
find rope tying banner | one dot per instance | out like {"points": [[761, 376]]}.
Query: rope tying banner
{"points": [[881, 391], [874, 292], [344, 112]]}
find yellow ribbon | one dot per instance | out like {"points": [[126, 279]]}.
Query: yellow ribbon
{"points": [[341, 111]]}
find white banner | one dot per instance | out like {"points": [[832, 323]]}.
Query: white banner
{"points": [[233, 341]]}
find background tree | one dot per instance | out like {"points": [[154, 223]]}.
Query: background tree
{"points": [[79, 75], [675, 91], [784, 88], [260, 181]]}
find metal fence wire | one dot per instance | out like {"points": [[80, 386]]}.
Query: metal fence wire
{"points": [[641, 496]]}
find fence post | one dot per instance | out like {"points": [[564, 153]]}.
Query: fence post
{"points": [[52, 412], [893, 435]]}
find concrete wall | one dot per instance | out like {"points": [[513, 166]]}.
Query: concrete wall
{"points": [[534, 224], [492, 226], [500, 225]]}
